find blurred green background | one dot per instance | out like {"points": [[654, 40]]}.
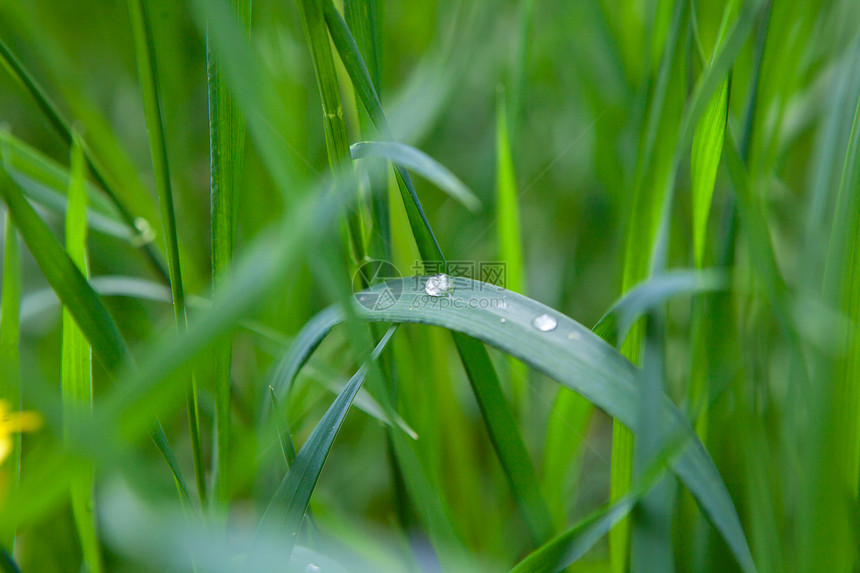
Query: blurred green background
{"points": [[578, 83]]}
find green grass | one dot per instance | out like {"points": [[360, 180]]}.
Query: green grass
{"points": [[682, 176]]}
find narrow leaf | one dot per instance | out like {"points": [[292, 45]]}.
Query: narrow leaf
{"points": [[77, 374], [295, 491], [415, 159]]}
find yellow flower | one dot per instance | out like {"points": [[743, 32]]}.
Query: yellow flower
{"points": [[14, 422]]}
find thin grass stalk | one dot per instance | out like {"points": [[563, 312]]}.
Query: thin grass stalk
{"points": [[337, 140], [364, 18], [226, 158], [147, 69]]}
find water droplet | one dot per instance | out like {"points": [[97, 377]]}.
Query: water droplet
{"points": [[439, 285], [503, 320], [574, 336], [502, 304], [311, 568], [544, 323]]}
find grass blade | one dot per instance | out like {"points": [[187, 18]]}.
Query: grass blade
{"points": [[704, 161], [582, 362], [337, 140], [587, 366], [510, 239], [62, 126], [650, 294], [10, 334], [653, 171], [67, 281], [415, 159], [295, 491], [365, 21], [77, 375], [497, 413], [47, 183], [226, 157], [77, 296], [148, 72]]}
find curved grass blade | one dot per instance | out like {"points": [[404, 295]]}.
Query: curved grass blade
{"points": [[63, 128], [294, 493], [618, 320], [149, 90], [574, 357], [415, 159], [569, 353], [76, 360], [306, 341], [572, 544], [571, 412]]}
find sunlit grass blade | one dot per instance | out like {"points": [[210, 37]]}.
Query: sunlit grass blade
{"points": [[226, 158], [294, 493], [148, 73], [10, 334], [509, 235], [63, 128], [705, 159], [76, 362], [507, 204], [418, 161]]}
